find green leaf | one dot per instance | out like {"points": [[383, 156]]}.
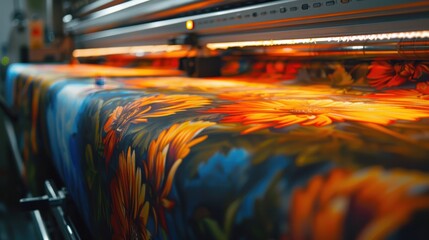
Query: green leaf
{"points": [[230, 214], [214, 229]]}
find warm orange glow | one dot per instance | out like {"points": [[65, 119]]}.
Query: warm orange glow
{"points": [[279, 113], [190, 25], [136, 50], [372, 37], [319, 209], [180, 83]]}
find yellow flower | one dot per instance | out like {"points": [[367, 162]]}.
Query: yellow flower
{"points": [[280, 113], [130, 210], [373, 203], [140, 111], [165, 154]]}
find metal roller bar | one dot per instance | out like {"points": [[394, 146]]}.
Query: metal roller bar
{"points": [[94, 6], [392, 49], [65, 224], [134, 11], [40, 224]]}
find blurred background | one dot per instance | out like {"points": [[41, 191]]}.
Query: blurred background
{"points": [[27, 33]]}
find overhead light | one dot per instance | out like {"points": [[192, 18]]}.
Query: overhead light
{"points": [[136, 50]]}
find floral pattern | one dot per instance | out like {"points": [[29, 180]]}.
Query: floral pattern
{"points": [[361, 199], [384, 74], [285, 112], [130, 209], [140, 111], [165, 154], [348, 73], [300, 150]]}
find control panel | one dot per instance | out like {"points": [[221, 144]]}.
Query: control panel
{"points": [[291, 10]]}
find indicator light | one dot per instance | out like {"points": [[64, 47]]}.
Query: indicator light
{"points": [[190, 25]]}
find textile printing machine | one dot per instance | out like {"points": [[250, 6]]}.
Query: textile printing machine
{"points": [[238, 119]]}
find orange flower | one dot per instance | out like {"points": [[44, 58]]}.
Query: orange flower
{"points": [[130, 210], [373, 204], [423, 87], [383, 74], [140, 110], [292, 70], [285, 112], [165, 154]]}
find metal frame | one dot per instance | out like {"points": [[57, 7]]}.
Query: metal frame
{"points": [[301, 17], [134, 11], [65, 224], [54, 198], [35, 214], [94, 6]]}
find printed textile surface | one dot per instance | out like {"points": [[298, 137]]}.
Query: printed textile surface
{"points": [[226, 158]]}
